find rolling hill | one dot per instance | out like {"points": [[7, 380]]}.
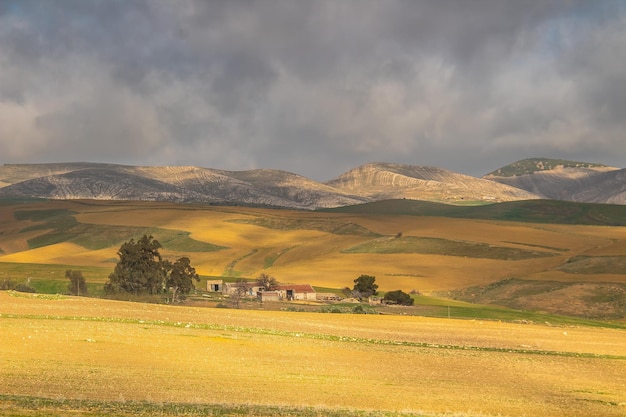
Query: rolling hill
{"points": [[523, 180], [565, 180], [181, 184], [381, 181], [426, 246]]}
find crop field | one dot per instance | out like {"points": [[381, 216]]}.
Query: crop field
{"points": [[71, 355], [328, 249]]}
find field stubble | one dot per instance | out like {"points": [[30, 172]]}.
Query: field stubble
{"points": [[87, 349]]}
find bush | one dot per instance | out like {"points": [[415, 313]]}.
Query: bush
{"points": [[24, 288], [359, 310], [398, 297], [7, 284]]}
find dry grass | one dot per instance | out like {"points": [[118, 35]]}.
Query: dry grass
{"points": [[86, 349]]}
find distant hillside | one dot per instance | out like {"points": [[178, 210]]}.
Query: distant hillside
{"points": [[565, 180], [532, 165], [529, 211], [524, 180], [177, 184], [379, 181], [596, 300]]}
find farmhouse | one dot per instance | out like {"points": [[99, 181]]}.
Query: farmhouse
{"points": [[248, 289], [287, 292], [296, 292], [216, 285]]}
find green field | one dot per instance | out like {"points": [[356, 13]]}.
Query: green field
{"points": [[530, 211]]}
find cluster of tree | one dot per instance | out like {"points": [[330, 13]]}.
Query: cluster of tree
{"points": [[142, 270], [365, 286]]}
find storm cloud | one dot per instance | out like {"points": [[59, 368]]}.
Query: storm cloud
{"points": [[312, 87]]}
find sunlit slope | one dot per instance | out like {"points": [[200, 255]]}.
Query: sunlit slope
{"points": [[325, 249]]}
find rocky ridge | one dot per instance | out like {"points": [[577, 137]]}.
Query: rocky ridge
{"points": [[275, 188]]}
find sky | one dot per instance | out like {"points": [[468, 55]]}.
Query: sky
{"points": [[314, 87]]}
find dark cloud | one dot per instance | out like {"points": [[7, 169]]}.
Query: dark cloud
{"points": [[314, 87]]}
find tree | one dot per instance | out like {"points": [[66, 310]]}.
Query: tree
{"points": [[241, 290], [365, 286], [140, 268], [180, 277], [267, 282], [398, 297], [77, 285]]}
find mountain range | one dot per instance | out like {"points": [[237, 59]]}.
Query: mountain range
{"points": [[538, 178]]}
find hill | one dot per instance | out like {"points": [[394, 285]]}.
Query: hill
{"points": [[534, 165], [523, 180], [582, 299], [528, 211], [406, 244], [262, 187], [565, 180], [380, 181], [270, 188]]}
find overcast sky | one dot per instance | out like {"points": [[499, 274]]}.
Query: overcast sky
{"points": [[313, 87]]}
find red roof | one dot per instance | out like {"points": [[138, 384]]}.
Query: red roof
{"points": [[301, 288]]}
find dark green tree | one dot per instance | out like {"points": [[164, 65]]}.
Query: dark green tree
{"points": [[365, 286], [398, 297], [77, 285], [140, 268], [180, 277]]}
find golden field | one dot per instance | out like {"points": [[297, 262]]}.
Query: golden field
{"points": [[305, 247], [72, 348], [82, 355]]}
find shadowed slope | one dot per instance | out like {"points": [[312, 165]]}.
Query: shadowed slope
{"points": [[565, 180]]}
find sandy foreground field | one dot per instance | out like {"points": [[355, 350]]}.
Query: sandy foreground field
{"points": [[88, 349]]}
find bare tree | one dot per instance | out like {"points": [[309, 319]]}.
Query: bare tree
{"points": [[267, 282], [241, 290]]}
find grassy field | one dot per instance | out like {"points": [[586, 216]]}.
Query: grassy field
{"points": [[80, 356]]}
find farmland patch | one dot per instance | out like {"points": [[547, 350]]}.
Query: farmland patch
{"points": [[439, 246], [60, 225], [328, 226], [595, 265]]}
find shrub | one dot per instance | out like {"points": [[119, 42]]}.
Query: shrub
{"points": [[7, 284], [24, 288], [398, 297], [359, 310]]}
